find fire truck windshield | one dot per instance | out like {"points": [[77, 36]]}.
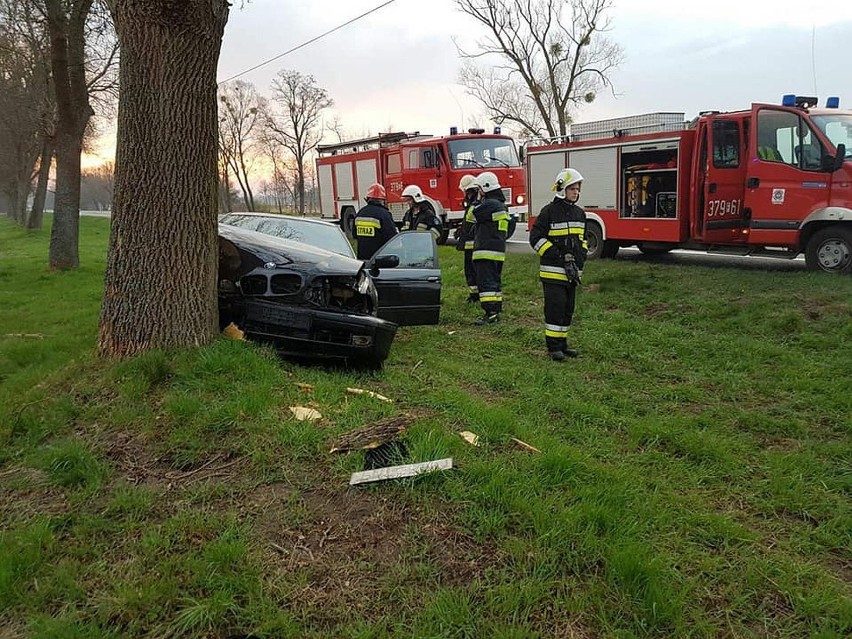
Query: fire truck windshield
{"points": [[481, 152], [837, 128]]}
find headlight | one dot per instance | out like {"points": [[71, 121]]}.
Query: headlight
{"points": [[520, 199]]}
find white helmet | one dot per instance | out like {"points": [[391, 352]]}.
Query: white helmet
{"points": [[487, 181], [467, 182], [413, 191], [564, 179]]}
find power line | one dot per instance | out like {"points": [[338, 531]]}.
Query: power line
{"points": [[312, 40]]}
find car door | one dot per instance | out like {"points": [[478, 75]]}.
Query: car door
{"points": [[410, 293]]}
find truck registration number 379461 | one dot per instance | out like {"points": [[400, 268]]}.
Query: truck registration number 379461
{"points": [[723, 208]]}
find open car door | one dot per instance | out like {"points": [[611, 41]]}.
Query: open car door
{"points": [[410, 293]]}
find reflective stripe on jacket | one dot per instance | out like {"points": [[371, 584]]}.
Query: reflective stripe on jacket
{"points": [[559, 230]]}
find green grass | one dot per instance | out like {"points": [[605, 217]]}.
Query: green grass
{"points": [[694, 477]]}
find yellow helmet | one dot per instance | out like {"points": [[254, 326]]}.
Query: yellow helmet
{"points": [[565, 178]]}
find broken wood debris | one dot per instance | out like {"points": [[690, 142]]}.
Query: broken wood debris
{"points": [[523, 444], [398, 472], [232, 331], [303, 413], [368, 393], [470, 438], [372, 435]]}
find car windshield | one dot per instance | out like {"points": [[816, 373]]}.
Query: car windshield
{"points": [[837, 128], [319, 234], [480, 152]]}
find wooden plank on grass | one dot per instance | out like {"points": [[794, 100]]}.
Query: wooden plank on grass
{"points": [[397, 472]]}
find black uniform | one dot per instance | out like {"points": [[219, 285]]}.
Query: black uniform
{"points": [[465, 243], [373, 227], [489, 250], [422, 217], [559, 232]]}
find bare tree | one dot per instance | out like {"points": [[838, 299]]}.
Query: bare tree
{"points": [[160, 282], [297, 126], [241, 111], [553, 57], [26, 108], [97, 186]]}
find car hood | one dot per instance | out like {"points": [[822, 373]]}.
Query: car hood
{"points": [[257, 249]]}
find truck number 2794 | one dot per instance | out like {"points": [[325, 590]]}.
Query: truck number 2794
{"points": [[723, 208]]}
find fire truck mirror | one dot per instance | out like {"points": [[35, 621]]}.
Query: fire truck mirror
{"points": [[832, 164]]}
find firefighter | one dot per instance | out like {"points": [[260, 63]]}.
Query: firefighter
{"points": [[489, 245], [558, 237], [465, 240], [374, 224], [420, 215]]}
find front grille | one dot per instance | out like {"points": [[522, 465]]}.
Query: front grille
{"points": [[507, 193], [286, 284]]}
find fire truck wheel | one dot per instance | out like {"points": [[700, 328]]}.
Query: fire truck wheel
{"points": [[830, 250], [594, 241], [512, 225], [652, 251], [347, 222]]}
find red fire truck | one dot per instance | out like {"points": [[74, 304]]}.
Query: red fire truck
{"points": [[773, 180], [435, 164]]}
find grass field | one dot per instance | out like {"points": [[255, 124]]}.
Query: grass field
{"points": [[694, 477]]}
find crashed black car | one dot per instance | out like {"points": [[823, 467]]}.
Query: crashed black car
{"points": [[293, 284]]}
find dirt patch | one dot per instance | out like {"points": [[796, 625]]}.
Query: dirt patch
{"points": [[346, 542], [652, 310]]}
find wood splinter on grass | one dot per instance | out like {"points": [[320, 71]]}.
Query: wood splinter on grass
{"points": [[470, 438], [373, 435], [232, 331], [397, 472], [303, 413], [361, 391], [524, 445]]}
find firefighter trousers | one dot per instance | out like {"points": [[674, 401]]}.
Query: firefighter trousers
{"points": [[559, 301], [489, 274], [469, 274]]}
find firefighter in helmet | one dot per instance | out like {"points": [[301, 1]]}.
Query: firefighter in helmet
{"points": [[489, 245], [373, 224], [465, 239], [558, 236], [420, 215]]}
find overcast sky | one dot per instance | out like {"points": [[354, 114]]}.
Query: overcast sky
{"points": [[397, 69]]}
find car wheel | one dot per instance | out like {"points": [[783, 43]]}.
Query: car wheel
{"points": [[830, 250], [594, 241]]}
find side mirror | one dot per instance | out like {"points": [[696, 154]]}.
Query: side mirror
{"points": [[521, 153], [382, 261], [837, 161]]}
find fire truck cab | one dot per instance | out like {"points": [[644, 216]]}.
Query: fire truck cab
{"points": [[435, 164], [773, 180]]}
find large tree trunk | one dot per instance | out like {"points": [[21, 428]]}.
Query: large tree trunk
{"points": [[34, 221], [66, 24], [160, 285], [64, 234]]}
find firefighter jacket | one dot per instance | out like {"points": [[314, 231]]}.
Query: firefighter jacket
{"points": [[559, 230], [422, 217], [373, 227], [465, 239], [492, 224]]}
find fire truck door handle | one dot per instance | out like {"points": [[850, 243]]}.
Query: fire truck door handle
{"points": [[753, 183], [711, 188]]}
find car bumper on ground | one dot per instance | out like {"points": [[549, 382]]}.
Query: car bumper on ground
{"points": [[300, 331]]}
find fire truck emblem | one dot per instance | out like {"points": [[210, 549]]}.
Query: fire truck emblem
{"points": [[778, 196]]}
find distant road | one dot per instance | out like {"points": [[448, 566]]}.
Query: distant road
{"points": [[95, 213]]}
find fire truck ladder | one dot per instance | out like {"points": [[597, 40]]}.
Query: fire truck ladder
{"points": [[366, 144]]}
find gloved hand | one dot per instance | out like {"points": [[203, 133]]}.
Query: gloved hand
{"points": [[574, 274]]}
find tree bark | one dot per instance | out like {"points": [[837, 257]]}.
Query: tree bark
{"points": [[36, 217], [160, 284], [67, 60]]}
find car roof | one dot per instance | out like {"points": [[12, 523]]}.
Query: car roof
{"points": [[279, 216]]}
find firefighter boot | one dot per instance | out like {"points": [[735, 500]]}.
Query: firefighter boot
{"points": [[473, 298], [556, 356], [569, 352]]}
